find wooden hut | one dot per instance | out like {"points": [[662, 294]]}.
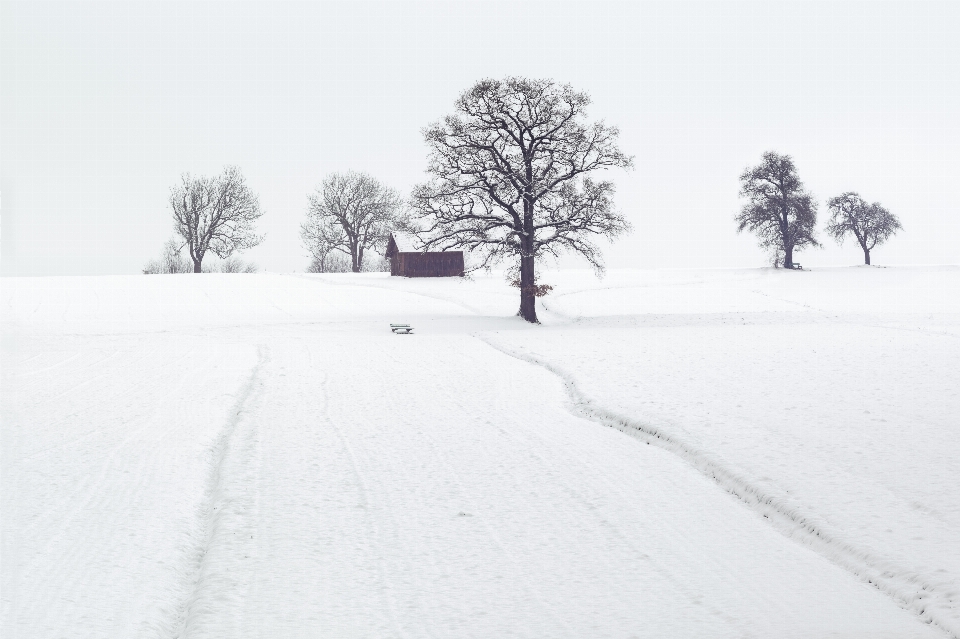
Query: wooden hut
{"points": [[406, 261]]}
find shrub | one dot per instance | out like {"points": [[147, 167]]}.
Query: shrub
{"points": [[170, 262], [236, 265], [331, 263]]}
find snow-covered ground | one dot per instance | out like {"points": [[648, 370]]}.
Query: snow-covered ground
{"points": [[751, 453]]}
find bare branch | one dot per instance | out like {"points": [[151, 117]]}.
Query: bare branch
{"points": [[869, 224], [351, 213], [509, 177], [779, 210], [215, 214]]}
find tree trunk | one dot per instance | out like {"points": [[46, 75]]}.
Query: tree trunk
{"points": [[196, 266], [528, 298], [528, 274], [788, 257], [866, 256]]}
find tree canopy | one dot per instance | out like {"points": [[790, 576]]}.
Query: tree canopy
{"points": [[349, 213], [510, 178], [215, 214], [870, 224], [779, 210]]}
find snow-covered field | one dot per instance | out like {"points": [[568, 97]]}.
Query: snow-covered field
{"points": [[728, 453]]}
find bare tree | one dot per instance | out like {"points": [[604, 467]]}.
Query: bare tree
{"points": [[350, 213], [215, 214], [170, 261], [871, 224], [319, 239], [509, 178], [376, 264], [236, 265], [779, 210], [330, 263]]}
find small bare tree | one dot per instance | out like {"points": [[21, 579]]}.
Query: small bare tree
{"points": [[330, 263], [170, 261], [319, 239], [236, 265], [350, 213], [779, 210], [215, 214], [510, 178], [871, 224]]}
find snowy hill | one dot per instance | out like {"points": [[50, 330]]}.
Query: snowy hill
{"points": [[719, 453]]}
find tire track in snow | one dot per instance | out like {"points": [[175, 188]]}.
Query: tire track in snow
{"points": [[935, 603], [367, 503], [533, 589], [218, 508]]}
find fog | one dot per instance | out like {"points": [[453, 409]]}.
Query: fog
{"points": [[104, 105]]}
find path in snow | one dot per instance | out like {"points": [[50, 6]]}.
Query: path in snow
{"points": [[931, 596], [474, 513], [225, 515], [371, 485]]}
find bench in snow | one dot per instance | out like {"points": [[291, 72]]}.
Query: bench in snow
{"points": [[797, 266], [401, 329]]}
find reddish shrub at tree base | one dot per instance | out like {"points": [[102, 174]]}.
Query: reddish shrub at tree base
{"points": [[538, 290]]}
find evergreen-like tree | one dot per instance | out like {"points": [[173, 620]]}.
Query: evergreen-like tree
{"points": [[779, 209]]}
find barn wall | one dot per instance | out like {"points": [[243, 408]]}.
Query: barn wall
{"points": [[445, 264]]}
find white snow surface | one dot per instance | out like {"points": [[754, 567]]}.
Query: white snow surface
{"points": [[725, 453]]}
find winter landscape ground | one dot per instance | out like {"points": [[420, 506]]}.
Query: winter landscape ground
{"points": [[702, 453]]}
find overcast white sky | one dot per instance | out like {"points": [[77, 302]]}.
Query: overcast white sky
{"points": [[104, 105]]}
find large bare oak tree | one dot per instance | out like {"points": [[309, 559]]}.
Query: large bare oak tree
{"points": [[871, 224], [215, 214], [350, 213], [510, 178], [779, 209]]}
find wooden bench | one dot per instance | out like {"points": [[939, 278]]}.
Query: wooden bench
{"points": [[797, 266], [401, 329]]}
